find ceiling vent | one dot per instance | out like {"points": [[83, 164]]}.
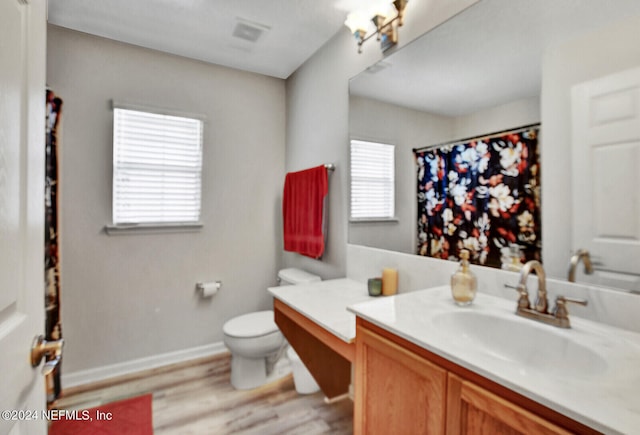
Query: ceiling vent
{"points": [[248, 30]]}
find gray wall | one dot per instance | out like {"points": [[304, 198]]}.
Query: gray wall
{"points": [[318, 124], [509, 115], [611, 50], [133, 296]]}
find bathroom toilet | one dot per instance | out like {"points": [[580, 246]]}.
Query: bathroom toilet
{"points": [[255, 342]]}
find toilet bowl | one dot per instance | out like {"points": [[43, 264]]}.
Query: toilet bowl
{"points": [[254, 340]]}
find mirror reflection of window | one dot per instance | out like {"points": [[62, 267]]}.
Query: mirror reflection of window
{"points": [[372, 181]]}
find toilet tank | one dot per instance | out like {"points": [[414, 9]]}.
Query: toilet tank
{"points": [[294, 276]]}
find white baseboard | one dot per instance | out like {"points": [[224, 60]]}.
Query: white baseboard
{"points": [[101, 373]]}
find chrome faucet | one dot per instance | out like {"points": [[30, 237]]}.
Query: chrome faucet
{"points": [[581, 254], [559, 316]]}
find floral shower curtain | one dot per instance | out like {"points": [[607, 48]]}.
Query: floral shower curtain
{"points": [[482, 195], [51, 254]]}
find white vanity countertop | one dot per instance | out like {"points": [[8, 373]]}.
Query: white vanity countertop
{"points": [[604, 395], [326, 302]]}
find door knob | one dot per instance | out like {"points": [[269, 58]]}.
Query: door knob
{"points": [[42, 347]]}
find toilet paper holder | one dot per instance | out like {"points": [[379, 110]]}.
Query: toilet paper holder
{"points": [[208, 289]]}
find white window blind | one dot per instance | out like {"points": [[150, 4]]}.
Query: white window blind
{"points": [[372, 180], [157, 168]]}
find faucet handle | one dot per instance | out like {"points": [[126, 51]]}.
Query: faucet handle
{"points": [[560, 311], [523, 301]]}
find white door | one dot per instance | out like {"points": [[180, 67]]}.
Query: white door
{"points": [[606, 176], [22, 115]]}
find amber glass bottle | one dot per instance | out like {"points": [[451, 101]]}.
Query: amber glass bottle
{"points": [[464, 283]]}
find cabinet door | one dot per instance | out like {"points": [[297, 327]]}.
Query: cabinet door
{"points": [[397, 392], [474, 410]]}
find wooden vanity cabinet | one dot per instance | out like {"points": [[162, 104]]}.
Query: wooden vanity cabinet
{"points": [[397, 392], [402, 388], [474, 410]]}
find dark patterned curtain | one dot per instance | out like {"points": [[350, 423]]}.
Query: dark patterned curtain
{"points": [[51, 254], [482, 195]]}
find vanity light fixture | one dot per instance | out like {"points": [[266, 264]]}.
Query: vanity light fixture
{"points": [[386, 30]]}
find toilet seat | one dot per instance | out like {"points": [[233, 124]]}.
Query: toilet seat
{"points": [[251, 325]]}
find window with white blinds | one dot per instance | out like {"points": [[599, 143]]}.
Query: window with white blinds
{"points": [[157, 168], [372, 180]]}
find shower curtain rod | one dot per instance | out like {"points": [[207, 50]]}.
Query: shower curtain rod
{"points": [[483, 136]]}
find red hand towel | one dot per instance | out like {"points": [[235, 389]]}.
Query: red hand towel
{"points": [[302, 210]]}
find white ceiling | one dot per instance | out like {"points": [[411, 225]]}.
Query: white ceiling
{"points": [[487, 55], [203, 29], [465, 59]]}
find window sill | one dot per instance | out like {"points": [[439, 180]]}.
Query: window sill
{"points": [[372, 220], [118, 230]]}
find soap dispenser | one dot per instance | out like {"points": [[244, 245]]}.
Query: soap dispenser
{"points": [[513, 263], [464, 283]]}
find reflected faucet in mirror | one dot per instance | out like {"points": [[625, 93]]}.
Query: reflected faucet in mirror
{"points": [[558, 316], [581, 254]]}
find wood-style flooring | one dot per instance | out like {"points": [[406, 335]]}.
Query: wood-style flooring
{"points": [[197, 398]]}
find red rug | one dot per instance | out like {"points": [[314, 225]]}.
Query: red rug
{"points": [[125, 417]]}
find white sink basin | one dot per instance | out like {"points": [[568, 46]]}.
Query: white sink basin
{"points": [[531, 346]]}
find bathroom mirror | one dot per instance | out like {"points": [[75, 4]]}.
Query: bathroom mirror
{"points": [[485, 70]]}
